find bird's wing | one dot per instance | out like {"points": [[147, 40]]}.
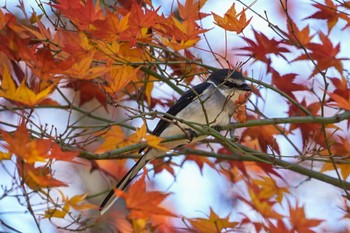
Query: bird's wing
{"points": [[186, 98]]}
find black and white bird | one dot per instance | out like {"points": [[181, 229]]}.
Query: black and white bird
{"points": [[210, 103]]}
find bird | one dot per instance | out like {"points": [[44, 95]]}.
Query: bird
{"points": [[211, 103]]}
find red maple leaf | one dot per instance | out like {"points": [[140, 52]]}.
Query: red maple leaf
{"points": [[324, 54], [263, 47], [81, 13], [328, 12], [88, 91], [286, 83], [308, 131]]}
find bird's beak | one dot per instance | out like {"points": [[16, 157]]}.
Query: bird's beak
{"points": [[245, 87]]}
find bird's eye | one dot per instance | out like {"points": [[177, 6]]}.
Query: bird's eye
{"points": [[231, 84]]}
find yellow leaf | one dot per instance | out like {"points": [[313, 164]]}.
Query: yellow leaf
{"points": [[149, 88], [119, 77], [177, 45], [344, 169], [82, 69], [141, 132], [57, 213], [22, 94], [5, 156], [212, 224], [113, 138], [75, 202], [154, 142], [151, 140], [270, 189], [262, 206], [109, 49]]}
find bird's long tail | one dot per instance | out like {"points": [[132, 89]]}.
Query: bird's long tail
{"points": [[123, 183]]}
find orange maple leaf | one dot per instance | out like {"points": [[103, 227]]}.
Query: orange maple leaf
{"points": [[82, 13], [200, 161], [44, 65], [40, 32], [341, 87], [191, 10], [88, 90], [344, 169], [159, 165], [240, 114], [212, 224], [299, 221], [33, 150], [4, 19], [179, 34], [278, 228], [230, 21], [183, 34], [140, 23], [115, 138], [340, 101], [76, 44], [29, 150], [37, 177], [58, 154], [111, 27], [81, 66], [298, 37], [22, 94], [264, 134], [142, 203], [340, 149]]}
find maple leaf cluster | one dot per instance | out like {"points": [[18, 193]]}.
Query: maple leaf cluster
{"points": [[120, 54]]}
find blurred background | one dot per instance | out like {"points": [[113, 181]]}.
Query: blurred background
{"points": [[194, 191]]}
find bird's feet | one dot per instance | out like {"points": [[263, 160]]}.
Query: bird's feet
{"points": [[190, 134], [217, 128]]}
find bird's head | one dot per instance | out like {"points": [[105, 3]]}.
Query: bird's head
{"points": [[228, 80]]}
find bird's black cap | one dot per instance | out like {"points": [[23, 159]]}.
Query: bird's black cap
{"points": [[229, 78]]}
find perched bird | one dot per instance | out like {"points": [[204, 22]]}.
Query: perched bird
{"points": [[210, 103]]}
